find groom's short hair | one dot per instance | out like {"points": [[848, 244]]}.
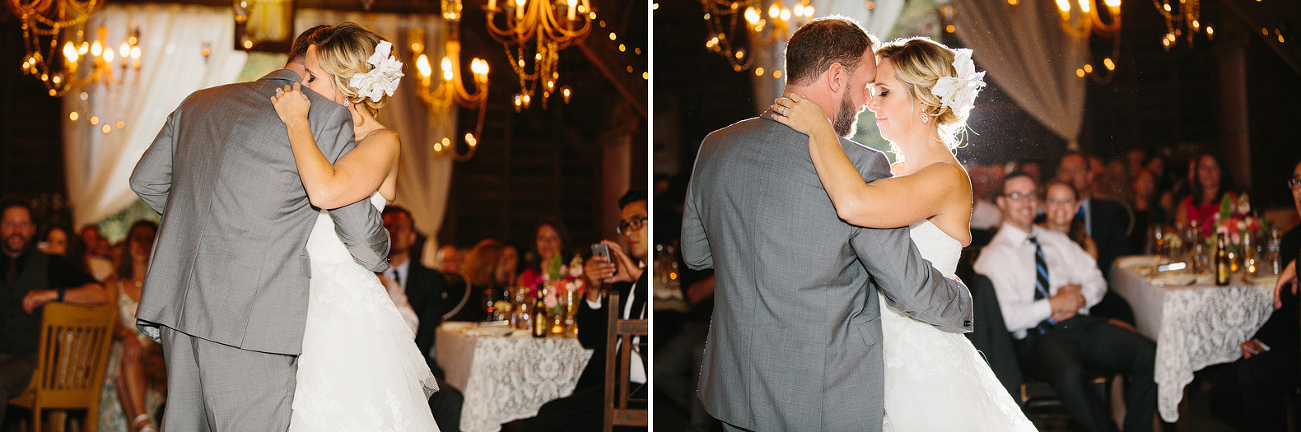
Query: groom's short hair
{"points": [[817, 45], [298, 51]]}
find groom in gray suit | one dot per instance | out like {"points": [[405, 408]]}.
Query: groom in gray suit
{"points": [[228, 280], [795, 339]]}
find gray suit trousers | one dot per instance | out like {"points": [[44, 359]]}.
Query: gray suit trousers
{"points": [[222, 388]]}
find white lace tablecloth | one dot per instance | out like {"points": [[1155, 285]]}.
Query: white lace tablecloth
{"points": [[1194, 324], [506, 375]]}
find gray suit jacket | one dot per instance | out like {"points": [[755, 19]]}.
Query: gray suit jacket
{"points": [[230, 263], [795, 340]]}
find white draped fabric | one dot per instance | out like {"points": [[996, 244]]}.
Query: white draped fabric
{"points": [[878, 21], [424, 176], [97, 164], [1033, 60]]}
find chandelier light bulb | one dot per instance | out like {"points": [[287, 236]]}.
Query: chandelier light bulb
{"points": [[94, 120], [108, 56], [1109, 64], [1064, 6], [1086, 5], [83, 49], [565, 92], [751, 15], [96, 49], [73, 116], [422, 65], [786, 15], [1112, 4], [773, 11], [124, 50], [70, 52], [135, 53], [470, 140], [447, 69]]}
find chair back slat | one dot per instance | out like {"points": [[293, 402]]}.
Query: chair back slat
{"points": [[74, 347], [621, 335]]}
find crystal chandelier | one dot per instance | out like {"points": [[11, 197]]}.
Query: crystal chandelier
{"points": [[726, 17], [46, 23], [538, 30], [450, 89], [1183, 20], [1082, 20]]}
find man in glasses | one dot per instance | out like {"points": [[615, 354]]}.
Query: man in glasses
{"points": [[1045, 285], [1250, 393], [624, 271]]}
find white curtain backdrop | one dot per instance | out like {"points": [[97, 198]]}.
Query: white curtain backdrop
{"points": [[1026, 52], [878, 21], [98, 165], [424, 176]]}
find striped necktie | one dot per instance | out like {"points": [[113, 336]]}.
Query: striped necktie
{"points": [[1041, 284]]}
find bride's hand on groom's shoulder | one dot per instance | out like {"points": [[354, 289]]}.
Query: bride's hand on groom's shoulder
{"points": [[291, 104], [799, 113]]}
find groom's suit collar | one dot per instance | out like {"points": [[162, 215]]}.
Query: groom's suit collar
{"points": [[282, 74]]}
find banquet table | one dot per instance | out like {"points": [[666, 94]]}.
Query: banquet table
{"points": [[506, 374], [1194, 322]]}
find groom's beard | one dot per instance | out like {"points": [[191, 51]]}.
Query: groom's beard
{"points": [[847, 118]]}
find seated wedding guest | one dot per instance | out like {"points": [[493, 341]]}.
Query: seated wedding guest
{"points": [[425, 291], [1206, 190], [95, 254], [1144, 200], [550, 241], [1251, 393], [448, 259], [508, 268], [984, 214], [1061, 203], [477, 283], [32, 279], [135, 383], [55, 241], [1105, 222], [584, 410], [1045, 284]]}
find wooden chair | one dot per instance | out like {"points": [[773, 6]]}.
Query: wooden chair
{"points": [[70, 362], [618, 357]]}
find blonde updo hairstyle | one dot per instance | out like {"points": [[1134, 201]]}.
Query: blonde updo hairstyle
{"points": [[344, 53], [919, 62]]}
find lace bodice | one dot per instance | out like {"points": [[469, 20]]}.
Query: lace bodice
{"points": [[936, 246], [324, 245]]}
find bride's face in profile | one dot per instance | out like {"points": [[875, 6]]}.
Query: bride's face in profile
{"points": [[318, 80], [894, 112]]}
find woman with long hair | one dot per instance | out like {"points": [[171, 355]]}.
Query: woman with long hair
{"points": [[921, 98], [358, 353], [1206, 190], [135, 384]]}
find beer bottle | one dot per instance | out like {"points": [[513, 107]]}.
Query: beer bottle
{"points": [[541, 324], [1221, 261]]}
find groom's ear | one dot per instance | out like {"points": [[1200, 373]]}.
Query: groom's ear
{"points": [[836, 78]]}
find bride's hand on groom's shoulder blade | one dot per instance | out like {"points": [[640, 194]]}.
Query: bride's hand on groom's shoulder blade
{"points": [[291, 103]]}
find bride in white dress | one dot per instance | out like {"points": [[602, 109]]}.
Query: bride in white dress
{"points": [[921, 97], [359, 369]]}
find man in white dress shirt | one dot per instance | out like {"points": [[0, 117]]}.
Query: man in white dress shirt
{"points": [[1045, 285], [585, 409]]}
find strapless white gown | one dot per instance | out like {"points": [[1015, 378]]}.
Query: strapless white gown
{"points": [[937, 381], [360, 369]]}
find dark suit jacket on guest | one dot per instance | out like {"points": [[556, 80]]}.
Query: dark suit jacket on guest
{"points": [[1110, 219], [1280, 331], [592, 329], [424, 289]]}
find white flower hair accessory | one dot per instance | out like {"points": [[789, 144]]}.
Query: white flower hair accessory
{"points": [[959, 94], [383, 76]]}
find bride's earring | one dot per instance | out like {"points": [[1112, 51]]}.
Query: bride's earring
{"points": [[925, 118]]}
